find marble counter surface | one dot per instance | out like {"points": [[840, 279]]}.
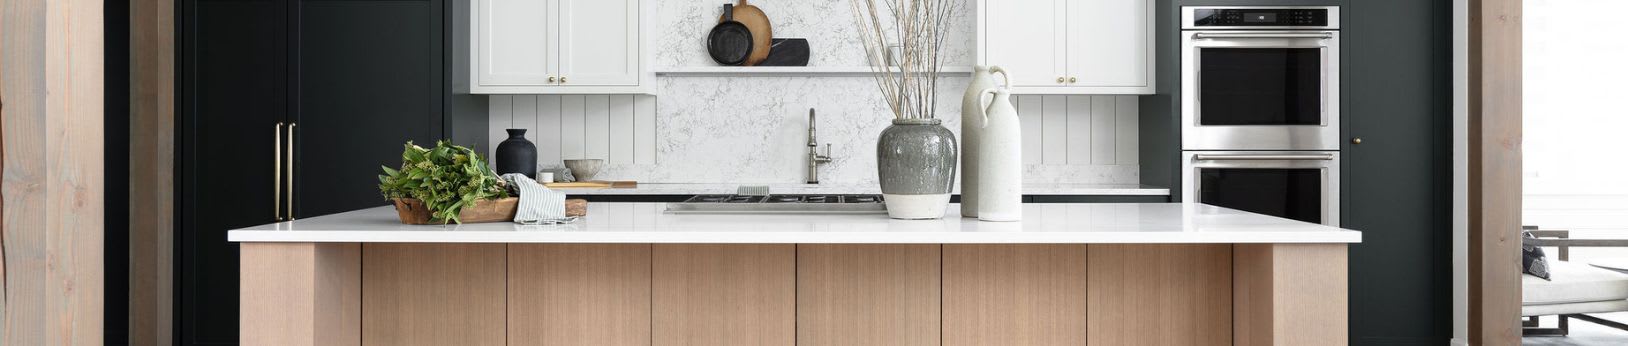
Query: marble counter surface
{"points": [[609, 222], [1028, 189]]}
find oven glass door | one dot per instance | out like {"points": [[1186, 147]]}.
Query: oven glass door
{"points": [[1260, 90], [1293, 193], [1260, 86], [1294, 185]]}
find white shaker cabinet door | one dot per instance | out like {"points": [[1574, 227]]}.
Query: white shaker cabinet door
{"points": [[514, 42], [1028, 38], [1110, 43], [599, 42]]}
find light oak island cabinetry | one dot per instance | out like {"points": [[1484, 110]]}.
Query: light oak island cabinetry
{"points": [[557, 46], [1078, 274], [1069, 46]]}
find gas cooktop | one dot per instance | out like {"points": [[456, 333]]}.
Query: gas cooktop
{"points": [[841, 204]]}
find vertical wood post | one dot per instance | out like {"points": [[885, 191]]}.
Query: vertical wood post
{"points": [[51, 80], [1495, 171], [152, 171]]}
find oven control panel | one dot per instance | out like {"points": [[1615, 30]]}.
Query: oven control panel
{"points": [[1207, 17]]}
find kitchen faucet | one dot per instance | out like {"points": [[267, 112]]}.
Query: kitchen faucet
{"points": [[814, 157]]}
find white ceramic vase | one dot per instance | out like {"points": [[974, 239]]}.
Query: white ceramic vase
{"points": [[1000, 159], [972, 117]]}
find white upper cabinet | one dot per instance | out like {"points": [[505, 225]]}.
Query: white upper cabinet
{"points": [[1069, 46], [557, 47]]}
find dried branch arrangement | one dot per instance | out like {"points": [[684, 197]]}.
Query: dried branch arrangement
{"points": [[916, 26]]}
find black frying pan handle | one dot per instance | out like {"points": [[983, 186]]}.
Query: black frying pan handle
{"points": [[729, 12]]}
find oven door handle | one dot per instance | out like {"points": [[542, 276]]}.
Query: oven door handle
{"points": [[1204, 35], [1263, 157]]}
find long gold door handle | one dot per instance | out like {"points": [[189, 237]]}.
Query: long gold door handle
{"points": [[291, 171], [277, 173]]}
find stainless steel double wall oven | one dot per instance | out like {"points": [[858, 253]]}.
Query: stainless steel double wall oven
{"points": [[1260, 109]]}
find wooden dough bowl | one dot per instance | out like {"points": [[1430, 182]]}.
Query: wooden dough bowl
{"points": [[413, 212]]}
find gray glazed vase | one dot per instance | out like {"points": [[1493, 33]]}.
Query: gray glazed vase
{"points": [[915, 161]]}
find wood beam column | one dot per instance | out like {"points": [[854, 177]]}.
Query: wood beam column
{"points": [[1494, 201]]}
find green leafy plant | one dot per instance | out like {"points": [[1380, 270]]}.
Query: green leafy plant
{"points": [[446, 178]]}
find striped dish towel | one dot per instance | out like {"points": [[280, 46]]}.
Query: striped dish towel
{"points": [[538, 204]]}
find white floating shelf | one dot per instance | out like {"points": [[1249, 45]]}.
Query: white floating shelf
{"points": [[785, 71]]}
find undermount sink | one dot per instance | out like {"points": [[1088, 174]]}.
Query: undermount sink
{"points": [[782, 204]]}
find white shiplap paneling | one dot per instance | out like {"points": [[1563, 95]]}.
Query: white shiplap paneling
{"points": [[1102, 130], [1057, 129], [500, 116], [1079, 129], [596, 134], [1125, 129], [525, 115], [548, 130], [1029, 114], [1054, 131], [573, 127], [621, 129]]}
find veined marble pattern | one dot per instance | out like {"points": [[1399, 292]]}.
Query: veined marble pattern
{"points": [[753, 130]]}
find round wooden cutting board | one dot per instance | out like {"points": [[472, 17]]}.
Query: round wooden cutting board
{"points": [[758, 24]]}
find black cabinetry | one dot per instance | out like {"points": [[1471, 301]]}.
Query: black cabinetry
{"points": [[1395, 185], [354, 79], [1397, 182]]}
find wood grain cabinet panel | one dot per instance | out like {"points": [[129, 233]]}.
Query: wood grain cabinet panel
{"points": [[1290, 294], [1004, 294], [720, 295], [300, 294], [1160, 294], [882, 294], [579, 294], [432, 294]]}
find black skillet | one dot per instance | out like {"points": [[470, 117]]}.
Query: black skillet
{"points": [[730, 42]]}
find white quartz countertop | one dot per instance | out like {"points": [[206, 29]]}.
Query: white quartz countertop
{"points": [[609, 222], [707, 189]]}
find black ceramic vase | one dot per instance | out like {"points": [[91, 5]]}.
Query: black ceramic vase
{"points": [[517, 155]]}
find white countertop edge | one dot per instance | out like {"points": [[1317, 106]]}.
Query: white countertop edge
{"points": [[564, 237], [1032, 189]]}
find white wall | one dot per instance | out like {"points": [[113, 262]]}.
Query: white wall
{"points": [[753, 129], [1575, 175]]}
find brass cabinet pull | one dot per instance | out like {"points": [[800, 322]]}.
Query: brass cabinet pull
{"points": [[1072, 79], [562, 79], [291, 171], [1059, 79], [277, 173], [550, 79]]}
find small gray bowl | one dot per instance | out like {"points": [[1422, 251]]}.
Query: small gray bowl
{"points": [[585, 169]]}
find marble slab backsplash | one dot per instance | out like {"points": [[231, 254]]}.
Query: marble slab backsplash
{"points": [[753, 129]]}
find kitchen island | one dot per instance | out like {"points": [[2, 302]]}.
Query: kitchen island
{"points": [[630, 274]]}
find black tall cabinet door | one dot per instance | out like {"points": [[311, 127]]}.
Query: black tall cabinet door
{"points": [[359, 77], [234, 67], [1396, 183], [370, 80]]}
